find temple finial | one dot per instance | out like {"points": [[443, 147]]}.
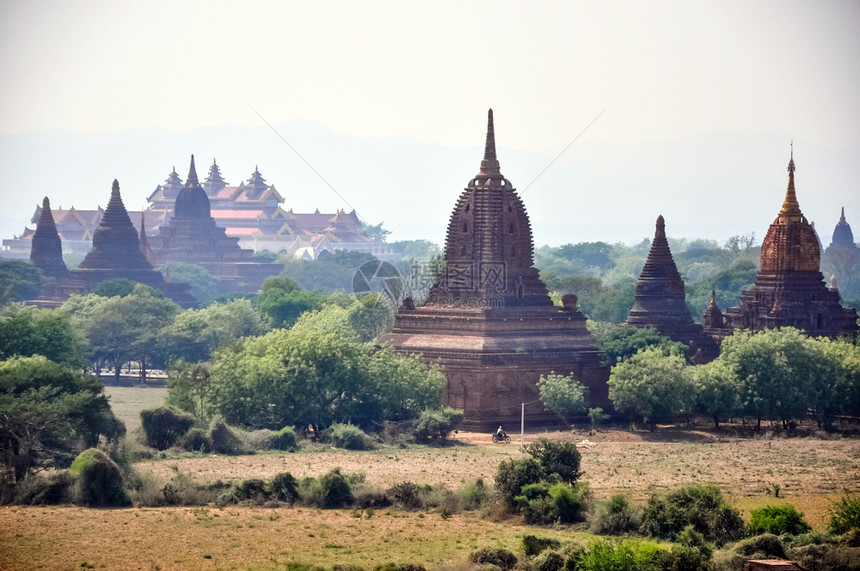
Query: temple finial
{"points": [[661, 227], [490, 147], [841, 218], [46, 204], [114, 191], [791, 160], [192, 175]]}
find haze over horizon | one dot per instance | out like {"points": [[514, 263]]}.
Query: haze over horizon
{"points": [[388, 101]]}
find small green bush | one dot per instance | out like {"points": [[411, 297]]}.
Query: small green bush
{"points": [[406, 494], [437, 424], [515, 473], [778, 520], [284, 439], [545, 503], [502, 558], [764, 546], [399, 567], [284, 488], [844, 514], [225, 440], [98, 480], [703, 507], [348, 437], [548, 561], [557, 457], [627, 555], [195, 440], [164, 425], [50, 489], [616, 516], [474, 496], [533, 545], [332, 490]]}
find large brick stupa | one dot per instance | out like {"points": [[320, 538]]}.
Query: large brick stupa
{"points": [[46, 250], [789, 288], [488, 319]]}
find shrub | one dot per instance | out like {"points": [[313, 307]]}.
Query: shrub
{"points": [[568, 502], [765, 546], [50, 489], [164, 425], [616, 516], [196, 440], [627, 554], [330, 491], [683, 558], [284, 439], [182, 490], [557, 457], [284, 488], [513, 474], [224, 440], [534, 545], [702, 507], [502, 558], [98, 480], [348, 437], [545, 503], [406, 495], [473, 496], [437, 424], [778, 520], [399, 567], [844, 514], [549, 561]]}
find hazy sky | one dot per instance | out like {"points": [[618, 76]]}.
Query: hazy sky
{"points": [[662, 70]]}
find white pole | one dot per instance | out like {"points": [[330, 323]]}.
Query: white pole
{"points": [[523, 427]]}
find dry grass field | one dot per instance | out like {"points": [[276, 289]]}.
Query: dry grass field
{"points": [[127, 402], [812, 472]]}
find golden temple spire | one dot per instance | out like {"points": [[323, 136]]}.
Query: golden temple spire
{"points": [[790, 207]]}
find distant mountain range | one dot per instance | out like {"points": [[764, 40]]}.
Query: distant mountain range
{"points": [[712, 185]]}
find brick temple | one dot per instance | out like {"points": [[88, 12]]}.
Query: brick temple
{"points": [[660, 302], [46, 252], [488, 319], [191, 235], [789, 288], [115, 253]]}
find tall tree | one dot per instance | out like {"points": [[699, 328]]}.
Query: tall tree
{"points": [[27, 331], [562, 395], [652, 385], [48, 413]]}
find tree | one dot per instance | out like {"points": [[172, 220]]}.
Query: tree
{"points": [[362, 319], [284, 307], [123, 329], [26, 331], [303, 377], [204, 286], [19, 281], [557, 457], [778, 371], [719, 391], [46, 412], [621, 343], [190, 387], [652, 385], [195, 333], [562, 394], [118, 287], [376, 232]]}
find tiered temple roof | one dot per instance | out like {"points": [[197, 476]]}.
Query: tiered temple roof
{"points": [[789, 289], [47, 249], [843, 237], [488, 319], [660, 302]]}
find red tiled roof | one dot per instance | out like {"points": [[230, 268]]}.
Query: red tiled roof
{"points": [[239, 214]]}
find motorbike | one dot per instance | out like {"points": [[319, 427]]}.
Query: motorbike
{"points": [[503, 437]]}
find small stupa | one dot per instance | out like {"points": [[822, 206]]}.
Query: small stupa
{"points": [[46, 250], [660, 301], [116, 253], [488, 320], [191, 235]]}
